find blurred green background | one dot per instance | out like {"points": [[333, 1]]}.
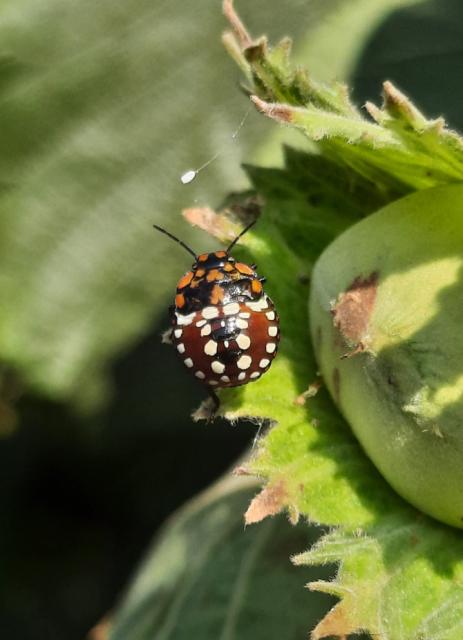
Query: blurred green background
{"points": [[103, 105]]}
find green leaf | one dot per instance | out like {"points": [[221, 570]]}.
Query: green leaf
{"points": [[402, 578], [400, 573], [311, 463], [399, 149], [206, 577]]}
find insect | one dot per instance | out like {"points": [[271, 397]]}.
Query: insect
{"points": [[224, 327]]}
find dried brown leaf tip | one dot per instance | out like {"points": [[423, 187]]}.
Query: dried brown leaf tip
{"points": [[241, 471], [279, 112], [310, 392], [101, 630], [238, 27], [269, 502], [215, 224], [353, 310], [335, 624], [397, 104]]}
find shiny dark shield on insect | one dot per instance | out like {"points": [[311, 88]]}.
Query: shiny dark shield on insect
{"points": [[224, 326]]}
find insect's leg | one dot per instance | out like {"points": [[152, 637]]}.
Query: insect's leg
{"points": [[167, 334], [215, 405]]}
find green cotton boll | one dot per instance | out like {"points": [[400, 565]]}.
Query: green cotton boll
{"points": [[386, 313]]}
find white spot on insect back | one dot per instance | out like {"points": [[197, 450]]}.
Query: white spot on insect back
{"points": [[200, 375], [213, 382], [244, 362], [255, 374], [244, 314], [225, 379], [188, 362], [270, 315], [273, 331], [178, 333], [217, 367], [205, 331], [210, 348], [201, 323], [181, 348], [185, 320], [241, 324], [241, 376], [243, 341], [270, 347], [210, 312], [231, 308], [264, 363], [259, 305]]}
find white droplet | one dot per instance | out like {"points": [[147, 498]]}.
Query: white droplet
{"points": [[244, 362], [270, 347], [217, 367], [188, 176]]}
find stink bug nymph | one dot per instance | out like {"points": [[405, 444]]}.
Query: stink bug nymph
{"points": [[224, 327]]}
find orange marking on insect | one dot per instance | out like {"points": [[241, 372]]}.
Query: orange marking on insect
{"points": [[179, 300], [228, 266], [217, 294], [214, 274], [185, 280], [244, 269], [220, 254], [203, 257], [256, 286], [199, 273]]}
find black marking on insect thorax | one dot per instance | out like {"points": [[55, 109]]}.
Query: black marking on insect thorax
{"points": [[227, 332], [212, 262], [197, 298], [228, 356], [240, 290]]}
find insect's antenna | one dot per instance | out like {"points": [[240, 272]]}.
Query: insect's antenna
{"points": [[185, 246], [240, 235]]}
